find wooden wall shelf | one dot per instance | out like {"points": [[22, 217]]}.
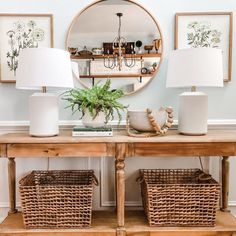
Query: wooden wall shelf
{"points": [[127, 55], [115, 76]]}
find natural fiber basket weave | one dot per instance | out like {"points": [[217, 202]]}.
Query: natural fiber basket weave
{"points": [[57, 199], [179, 197]]}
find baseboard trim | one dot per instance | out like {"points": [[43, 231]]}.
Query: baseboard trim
{"points": [[127, 204], [16, 125], [222, 124], [6, 204], [232, 203]]}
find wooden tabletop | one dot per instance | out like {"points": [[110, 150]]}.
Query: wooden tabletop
{"points": [[218, 136]]}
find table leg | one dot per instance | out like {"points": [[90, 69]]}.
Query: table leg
{"points": [[120, 187], [225, 183], [12, 184]]}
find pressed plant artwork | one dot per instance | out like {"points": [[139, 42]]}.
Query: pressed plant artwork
{"points": [[20, 31], [206, 30], [201, 34], [22, 36]]}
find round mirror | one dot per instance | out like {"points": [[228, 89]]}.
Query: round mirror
{"points": [[117, 40]]}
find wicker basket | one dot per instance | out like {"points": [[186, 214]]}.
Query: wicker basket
{"points": [[182, 197], [57, 199]]}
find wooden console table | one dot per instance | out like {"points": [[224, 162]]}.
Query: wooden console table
{"points": [[215, 143]]}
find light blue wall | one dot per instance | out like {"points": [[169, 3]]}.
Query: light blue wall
{"points": [[13, 103]]}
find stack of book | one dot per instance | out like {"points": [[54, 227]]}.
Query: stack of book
{"points": [[92, 132]]}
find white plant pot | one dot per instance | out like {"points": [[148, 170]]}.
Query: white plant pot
{"points": [[89, 121]]}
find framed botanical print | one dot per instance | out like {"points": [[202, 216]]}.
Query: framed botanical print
{"points": [[206, 29], [20, 31]]}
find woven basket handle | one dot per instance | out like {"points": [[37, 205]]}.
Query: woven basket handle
{"points": [[95, 180], [140, 179], [204, 177], [23, 180]]}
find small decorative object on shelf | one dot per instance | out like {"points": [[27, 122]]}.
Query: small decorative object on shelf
{"points": [[149, 123], [84, 52], [97, 51], [139, 44], [144, 70], [157, 44], [97, 104], [110, 48], [154, 66], [72, 51], [148, 48], [81, 131]]}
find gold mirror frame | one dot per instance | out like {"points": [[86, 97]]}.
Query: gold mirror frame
{"points": [[142, 7]]}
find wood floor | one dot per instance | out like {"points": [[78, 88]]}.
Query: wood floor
{"points": [[104, 224]]}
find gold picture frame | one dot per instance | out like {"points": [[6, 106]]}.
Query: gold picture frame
{"points": [[209, 29], [19, 31]]}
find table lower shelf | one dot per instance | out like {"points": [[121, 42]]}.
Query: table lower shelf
{"points": [[104, 224]]}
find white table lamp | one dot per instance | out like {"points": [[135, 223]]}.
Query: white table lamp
{"points": [[195, 67], [44, 69]]}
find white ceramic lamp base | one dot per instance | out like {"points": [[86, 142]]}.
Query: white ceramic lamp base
{"points": [[193, 113], [43, 113]]}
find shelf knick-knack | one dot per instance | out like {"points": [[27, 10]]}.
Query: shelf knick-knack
{"points": [[157, 44]]}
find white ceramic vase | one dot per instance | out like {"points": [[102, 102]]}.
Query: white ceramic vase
{"points": [[89, 121]]}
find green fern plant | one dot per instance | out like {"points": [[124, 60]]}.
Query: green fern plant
{"points": [[99, 98]]}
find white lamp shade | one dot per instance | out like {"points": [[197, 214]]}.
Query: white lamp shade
{"points": [[195, 67], [39, 67]]}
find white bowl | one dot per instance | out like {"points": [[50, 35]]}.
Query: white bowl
{"points": [[139, 121]]}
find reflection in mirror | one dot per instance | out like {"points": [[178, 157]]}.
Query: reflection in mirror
{"points": [[115, 39]]}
